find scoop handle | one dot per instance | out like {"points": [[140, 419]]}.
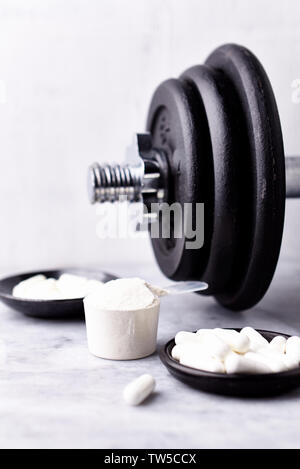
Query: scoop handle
{"points": [[184, 287]]}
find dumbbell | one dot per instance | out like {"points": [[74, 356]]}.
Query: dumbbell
{"points": [[213, 136]]}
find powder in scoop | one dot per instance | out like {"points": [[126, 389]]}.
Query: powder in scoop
{"points": [[121, 319], [124, 294]]}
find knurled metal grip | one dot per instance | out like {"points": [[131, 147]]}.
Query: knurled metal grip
{"points": [[142, 178]]}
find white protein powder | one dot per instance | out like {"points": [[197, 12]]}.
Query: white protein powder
{"points": [[68, 286], [125, 294], [122, 319]]}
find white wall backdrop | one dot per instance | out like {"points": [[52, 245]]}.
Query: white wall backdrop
{"points": [[76, 78]]}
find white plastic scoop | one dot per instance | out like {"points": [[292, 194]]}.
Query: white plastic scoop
{"points": [[180, 288]]}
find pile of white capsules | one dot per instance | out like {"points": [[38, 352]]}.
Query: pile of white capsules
{"points": [[228, 351]]}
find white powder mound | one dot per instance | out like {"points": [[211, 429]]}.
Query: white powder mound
{"points": [[124, 294], [44, 290], [72, 286], [22, 289], [68, 286]]}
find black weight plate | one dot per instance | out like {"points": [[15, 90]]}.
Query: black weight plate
{"points": [[262, 175], [171, 121], [214, 91], [54, 309], [246, 385]]}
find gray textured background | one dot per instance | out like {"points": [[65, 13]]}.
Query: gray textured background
{"points": [[79, 77]]}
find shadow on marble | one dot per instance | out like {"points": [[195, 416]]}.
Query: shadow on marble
{"points": [[151, 399]]}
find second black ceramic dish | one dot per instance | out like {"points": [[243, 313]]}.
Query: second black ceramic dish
{"points": [[246, 385], [48, 308]]}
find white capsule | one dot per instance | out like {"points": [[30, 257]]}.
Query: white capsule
{"points": [[277, 361], [270, 353], [188, 348], [201, 361], [139, 389], [278, 344], [257, 341], [273, 361], [237, 342], [290, 362], [203, 331], [214, 345], [183, 337], [292, 348], [241, 364], [176, 350]]}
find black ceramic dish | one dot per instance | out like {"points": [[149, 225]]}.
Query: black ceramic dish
{"points": [[48, 308], [258, 385]]}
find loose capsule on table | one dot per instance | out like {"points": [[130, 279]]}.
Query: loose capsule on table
{"points": [[139, 389]]}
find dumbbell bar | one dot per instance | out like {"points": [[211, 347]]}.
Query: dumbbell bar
{"points": [[215, 138], [292, 171]]}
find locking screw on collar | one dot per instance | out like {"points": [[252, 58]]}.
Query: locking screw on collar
{"points": [[141, 179]]}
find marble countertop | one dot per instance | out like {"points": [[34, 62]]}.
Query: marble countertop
{"points": [[54, 394]]}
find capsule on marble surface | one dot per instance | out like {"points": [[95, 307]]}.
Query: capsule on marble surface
{"points": [[139, 389]]}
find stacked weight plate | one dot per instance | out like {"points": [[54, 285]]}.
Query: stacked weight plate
{"points": [[219, 127]]}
